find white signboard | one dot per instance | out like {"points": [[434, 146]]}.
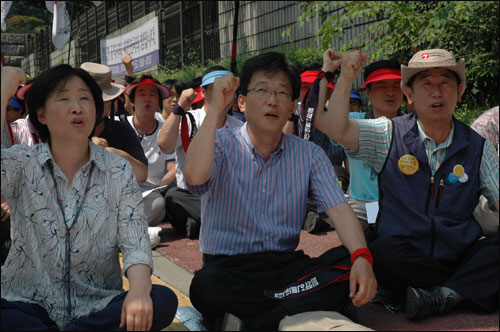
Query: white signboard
{"points": [[143, 44]]}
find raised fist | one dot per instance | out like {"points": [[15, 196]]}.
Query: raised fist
{"points": [[223, 91], [352, 64], [186, 98], [127, 61], [331, 60], [11, 78]]}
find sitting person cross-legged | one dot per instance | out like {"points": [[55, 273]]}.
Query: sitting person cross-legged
{"points": [[432, 170], [254, 194], [146, 94], [75, 207], [176, 134]]}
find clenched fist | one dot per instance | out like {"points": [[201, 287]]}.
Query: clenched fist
{"points": [[11, 78], [186, 98], [352, 64], [331, 61], [127, 61], [223, 91]]}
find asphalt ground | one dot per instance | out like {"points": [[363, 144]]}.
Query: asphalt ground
{"points": [[177, 258]]}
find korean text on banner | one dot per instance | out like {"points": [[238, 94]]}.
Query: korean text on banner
{"points": [[143, 44]]}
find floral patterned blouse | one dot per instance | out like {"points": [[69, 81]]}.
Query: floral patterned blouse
{"points": [[70, 267]]}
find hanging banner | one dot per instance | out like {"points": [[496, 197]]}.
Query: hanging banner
{"points": [[143, 44], [61, 24], [5, 10]]}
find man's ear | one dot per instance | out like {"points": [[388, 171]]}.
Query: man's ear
{"points": [[40, 113], [409, 95], [241, 103], [460, 91]]}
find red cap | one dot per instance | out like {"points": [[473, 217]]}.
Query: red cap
{"points": [[199, 97], [22, 91], [382, 75], [164, 92], [309, 76]]}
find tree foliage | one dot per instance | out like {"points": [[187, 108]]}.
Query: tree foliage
{"points": [[468, 29], [24, 24]]}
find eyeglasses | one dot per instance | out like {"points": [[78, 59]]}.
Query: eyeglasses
{"points": [[264, 93]]}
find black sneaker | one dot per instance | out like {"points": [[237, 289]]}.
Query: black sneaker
{"points": [[192, 228], [313, 223], [422, 303]]}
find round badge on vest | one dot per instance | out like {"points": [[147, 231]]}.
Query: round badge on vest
{"points": [[408, 164], [458, 175]]}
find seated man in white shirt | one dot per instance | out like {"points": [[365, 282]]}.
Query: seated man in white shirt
{"points": [[183, 206]]}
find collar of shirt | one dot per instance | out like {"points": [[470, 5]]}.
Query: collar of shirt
{"points": [[246, 138], [96, 155], [435, 155]]}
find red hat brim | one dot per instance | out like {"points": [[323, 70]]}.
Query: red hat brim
{"points": [[130, 90]]}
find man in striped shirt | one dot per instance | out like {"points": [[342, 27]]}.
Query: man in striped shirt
{"points": [[254, 183], [432, 169]]}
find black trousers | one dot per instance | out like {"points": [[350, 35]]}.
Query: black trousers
{"points": [[181, 204], [236, 284], [475, 275]]}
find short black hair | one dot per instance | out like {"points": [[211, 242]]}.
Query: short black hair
{"points": [[381, 64], [143, 77], [213, 68], [177, 84], [49, 81], [315, 65], [194, 83], [412, 79], [270, 62]]}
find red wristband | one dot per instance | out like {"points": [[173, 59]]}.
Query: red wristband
{"points": [[363, 252]]}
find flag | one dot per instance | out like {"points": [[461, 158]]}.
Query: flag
{"points": [[61, 25], [5, 10]]}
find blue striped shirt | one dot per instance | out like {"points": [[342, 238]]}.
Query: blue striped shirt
{"points": [[251, 205]]}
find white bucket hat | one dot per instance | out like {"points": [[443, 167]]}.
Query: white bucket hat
{"points": [[102, 75], [435, 58]]}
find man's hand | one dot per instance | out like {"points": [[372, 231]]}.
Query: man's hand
{"points": [[5, 212], [137, 312], [187, 97], [352, 64], [100, 141], [11, 78], [362, 285], [223, 92], [127, 61], [331, 61]]}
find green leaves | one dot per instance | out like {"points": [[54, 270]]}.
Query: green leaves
{"points": [[468, 29]]}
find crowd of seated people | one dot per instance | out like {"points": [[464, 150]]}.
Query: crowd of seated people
{"points": [[245, 161]]}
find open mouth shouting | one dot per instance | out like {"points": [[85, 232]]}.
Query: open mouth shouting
{"points": [[78, 122]]}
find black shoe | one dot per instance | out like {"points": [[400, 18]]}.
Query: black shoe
{"points": [[422, 303], [192, 228], [389, 299], [313, 223]]}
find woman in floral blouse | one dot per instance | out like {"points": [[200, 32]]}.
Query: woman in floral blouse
{"points": [[74, 208]]}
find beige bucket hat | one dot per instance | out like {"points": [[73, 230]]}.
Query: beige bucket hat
{"points": [[435, 58], [102, 75]]}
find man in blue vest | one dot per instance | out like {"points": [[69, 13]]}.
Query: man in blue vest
{"points": [[432, 169]]}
